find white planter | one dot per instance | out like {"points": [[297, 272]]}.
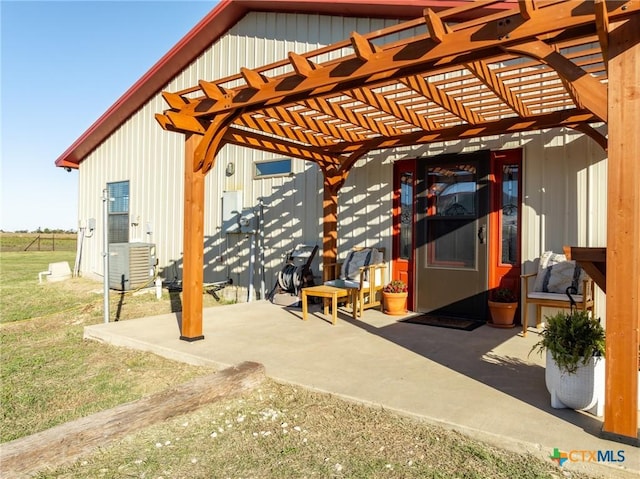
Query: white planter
{"points": [[582, 391]]}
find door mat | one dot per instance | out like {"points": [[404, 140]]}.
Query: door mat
{"points": [[445, 322]]}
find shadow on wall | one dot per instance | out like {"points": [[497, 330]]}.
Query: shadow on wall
{"points": [[365, 206], [292, 215], [293, 209], [289, 219]]}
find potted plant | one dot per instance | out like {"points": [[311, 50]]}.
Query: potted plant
{"points": [[574, 373], [502, 306], [394, 297]]}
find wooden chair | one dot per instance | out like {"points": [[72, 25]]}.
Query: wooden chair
{"points": [[555, 273], [363, 270]]}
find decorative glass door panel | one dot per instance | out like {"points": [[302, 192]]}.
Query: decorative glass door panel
{"points": [[509, 209], [451, 216], [404, 177]]}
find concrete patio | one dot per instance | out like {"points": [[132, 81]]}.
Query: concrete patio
{"points": [[483, 383]]}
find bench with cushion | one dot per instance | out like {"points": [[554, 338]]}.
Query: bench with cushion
{"points": [[547, 287], [364, 271]]}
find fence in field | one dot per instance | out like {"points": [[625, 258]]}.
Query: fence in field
{"points": [[38, 242]]}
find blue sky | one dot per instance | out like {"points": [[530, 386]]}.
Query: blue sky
{"points": [[63, 63]]}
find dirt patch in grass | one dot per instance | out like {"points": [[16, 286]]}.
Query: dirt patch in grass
{"points": [[281, 431]]}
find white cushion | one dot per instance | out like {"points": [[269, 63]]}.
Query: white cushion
{"points": [[555, 296], [344, 283]]}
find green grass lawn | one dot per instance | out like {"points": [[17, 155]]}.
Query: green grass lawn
{"points": [[49, 373], [22, 296]]}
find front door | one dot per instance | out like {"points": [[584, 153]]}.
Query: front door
{"points": [[452, 194]]}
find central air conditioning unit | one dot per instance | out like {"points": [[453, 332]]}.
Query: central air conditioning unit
{"points": [[131, 265]]}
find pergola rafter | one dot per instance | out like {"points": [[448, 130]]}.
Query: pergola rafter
{"points": [[392, 107], [273, 144], [544, 64]]}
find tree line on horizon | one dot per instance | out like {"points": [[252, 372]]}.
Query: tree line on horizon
{"points": [[43, 231]]}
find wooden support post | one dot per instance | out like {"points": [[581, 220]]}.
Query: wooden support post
{"points": [[193, 247], [623, 236], [329, 226]]}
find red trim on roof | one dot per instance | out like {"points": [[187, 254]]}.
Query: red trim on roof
{"points": [[226, 14]]}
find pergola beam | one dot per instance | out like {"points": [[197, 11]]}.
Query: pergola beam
{"points": [[253, 78], [602, 27], [303, 66], [435, 26], [506, 126], [527, 7], [364, 49]]}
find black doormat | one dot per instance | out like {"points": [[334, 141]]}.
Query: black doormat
{"points": [[445, 322]]}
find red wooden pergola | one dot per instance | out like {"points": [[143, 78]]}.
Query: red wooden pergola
{"points": [[543, 64]]}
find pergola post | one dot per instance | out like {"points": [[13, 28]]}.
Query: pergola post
{"points": [[193, 246], [623, 235], [329, 226]]}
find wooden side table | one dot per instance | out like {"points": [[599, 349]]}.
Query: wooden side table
{"points": [[326, 293]]}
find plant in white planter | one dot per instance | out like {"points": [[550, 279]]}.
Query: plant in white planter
{"points": [[574, 375]]}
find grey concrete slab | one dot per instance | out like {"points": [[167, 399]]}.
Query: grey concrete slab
{"points": [[482, 382]]}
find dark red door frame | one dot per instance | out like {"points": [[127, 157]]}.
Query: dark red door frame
{"points": [[403, 267], [504, 274]]}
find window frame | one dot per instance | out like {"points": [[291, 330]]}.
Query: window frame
{"points": [[258, 176], [117, 231]]}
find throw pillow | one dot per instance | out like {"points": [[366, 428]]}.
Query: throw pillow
{"points": [[562, 275], [356, 260], [547, 260]]}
